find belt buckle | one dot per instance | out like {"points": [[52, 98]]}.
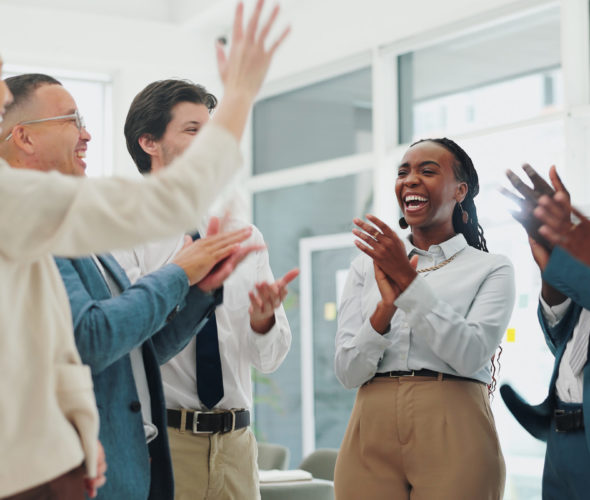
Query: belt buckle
{"points": [[559, 413], [196, 424], [233, 420]]}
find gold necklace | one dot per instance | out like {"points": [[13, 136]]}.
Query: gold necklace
{"points": [[438, 266]]}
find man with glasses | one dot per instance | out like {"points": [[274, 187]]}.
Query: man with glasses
{"points": [[48, 414]]}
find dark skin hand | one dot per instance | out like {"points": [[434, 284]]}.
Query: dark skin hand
{"points": [[529, 201], [546, 216], [393, 271]]}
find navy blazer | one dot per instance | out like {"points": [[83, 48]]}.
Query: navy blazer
{"points": [[572, 278], [106, 329]]}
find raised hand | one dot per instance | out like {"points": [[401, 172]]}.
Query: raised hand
{"points": [[247, 63], [386, 249], [528, 202], [265, 299], [243, 70]]}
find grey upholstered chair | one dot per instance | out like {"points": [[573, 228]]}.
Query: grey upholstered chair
{"points": [[321, 463], [273, 456]]}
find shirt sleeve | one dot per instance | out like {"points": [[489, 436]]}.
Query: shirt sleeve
{"points": [[568, 275], [359, 348], [466, 343], [49, 213], [267, 351]]}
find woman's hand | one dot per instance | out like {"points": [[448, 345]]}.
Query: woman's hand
{"points": [[387, 250]]}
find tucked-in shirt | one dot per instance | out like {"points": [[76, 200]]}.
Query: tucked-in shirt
{"points": [[48, 417], [450, 320], [570, 387], [239, 346]]}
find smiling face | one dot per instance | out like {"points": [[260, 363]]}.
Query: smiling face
{"points": [[427, 189], [187, 120], [57, 145]]}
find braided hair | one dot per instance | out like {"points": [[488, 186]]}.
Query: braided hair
{"points": [[464, 172], [472, 230]]}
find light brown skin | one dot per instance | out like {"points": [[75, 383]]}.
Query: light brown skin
{"points": [[426, 170]]}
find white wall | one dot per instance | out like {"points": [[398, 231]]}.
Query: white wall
{"points": [[133, 52], [137, 51]]}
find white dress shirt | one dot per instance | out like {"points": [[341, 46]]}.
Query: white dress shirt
{"points": [[570, 387], [450, 320], [137, 365], [239, 346]]}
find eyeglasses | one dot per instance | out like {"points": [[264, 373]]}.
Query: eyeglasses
{"points": [[78, 119]]}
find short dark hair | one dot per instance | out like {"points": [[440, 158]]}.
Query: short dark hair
{"points": [[22, 86], [151, 112]]}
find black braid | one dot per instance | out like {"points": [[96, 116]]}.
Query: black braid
{"points": [[464, 172]]}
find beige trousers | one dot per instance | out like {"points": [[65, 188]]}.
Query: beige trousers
{"points": [[420, 438], [214, 466]]}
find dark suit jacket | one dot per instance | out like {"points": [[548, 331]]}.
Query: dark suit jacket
{"points": [[572, 278], [160, 313]]}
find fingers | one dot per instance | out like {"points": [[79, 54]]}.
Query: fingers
{"points": [[268, 25], [414, 262], [288, 277], [219, 242], [221, 58], [553, 237], [370, 240], [188, 241], [238, 22], [539, 183], [556, 180], [510, 195], [385, 229], [554, 212], [579, 214], [521, 187], [280, 40], [253, 22], [367, 228], [213, 227], [364, 248]]}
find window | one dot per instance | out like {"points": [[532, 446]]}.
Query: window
{"points": [[285, 216], [498, 75], [320, 122]]}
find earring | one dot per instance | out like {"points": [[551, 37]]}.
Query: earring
{"points": [[464, 214], [402, 223]]}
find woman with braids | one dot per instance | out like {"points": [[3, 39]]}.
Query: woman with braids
{"points": [[418, 325]]}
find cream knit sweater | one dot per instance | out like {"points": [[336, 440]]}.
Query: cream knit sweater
{"points": [[48, 417]]}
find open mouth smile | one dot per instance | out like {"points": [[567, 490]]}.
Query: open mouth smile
{"points": [[414, 202]]}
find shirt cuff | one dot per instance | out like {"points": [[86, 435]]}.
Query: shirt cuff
{"points": [[554, 314], [371, 343], [417, 299], [263, 340]]}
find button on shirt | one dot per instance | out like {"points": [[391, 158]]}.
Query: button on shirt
{"points": [[239, 346], [570, 387], [450, 320]]}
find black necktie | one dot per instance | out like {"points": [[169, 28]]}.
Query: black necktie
{"points": [[209, 375]]}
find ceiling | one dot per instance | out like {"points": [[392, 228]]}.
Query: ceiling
{"points": [[173, 11]]}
